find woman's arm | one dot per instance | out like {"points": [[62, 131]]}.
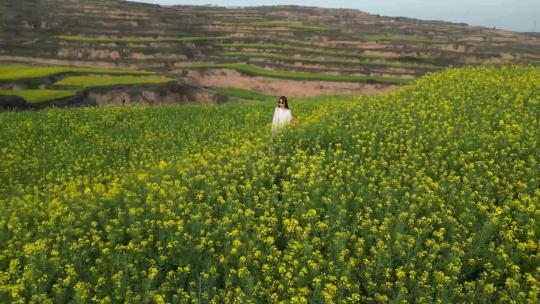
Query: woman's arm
{"points": [[274, 120], [292, 119]]}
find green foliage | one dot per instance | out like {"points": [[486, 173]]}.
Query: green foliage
{"points": [[255, 70], [98, 81], [425, 195], [18, 72], [38, 96], [140, 39]]}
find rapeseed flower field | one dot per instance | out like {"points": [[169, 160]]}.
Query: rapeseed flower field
{"points": [[429, 194]]}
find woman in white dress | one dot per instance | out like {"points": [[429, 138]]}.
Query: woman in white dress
{"points": [[282, 115]]}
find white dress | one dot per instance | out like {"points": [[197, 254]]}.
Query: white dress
{"points": [[282, 117]]}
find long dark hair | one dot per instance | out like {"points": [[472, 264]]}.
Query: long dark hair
{"points": [[284, 98]]}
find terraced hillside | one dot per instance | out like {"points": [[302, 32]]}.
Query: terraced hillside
{"points": [[287, 50]]}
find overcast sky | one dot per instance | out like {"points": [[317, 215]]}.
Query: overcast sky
{"points": [[516, 15]]}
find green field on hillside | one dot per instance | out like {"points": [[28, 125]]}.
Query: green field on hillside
{"points": [[401, 38], [39, 96], [99, 81], [304, 49], [244, 94], [333, 61], [429, 62], [18, 72], [139, 39], [296, 26], [258, 71], [429, 194]]}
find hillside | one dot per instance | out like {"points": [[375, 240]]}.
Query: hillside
{"points": [[279, 50], [428, 194]]}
